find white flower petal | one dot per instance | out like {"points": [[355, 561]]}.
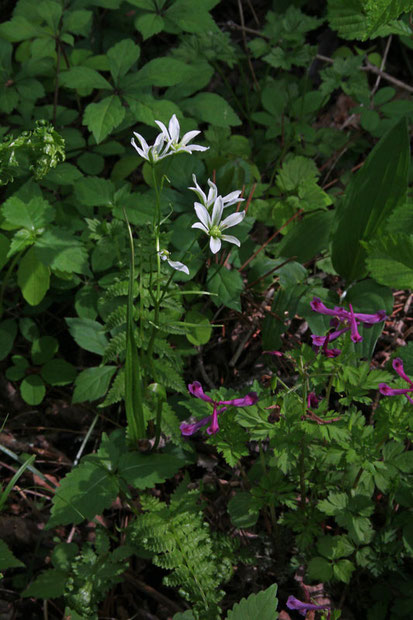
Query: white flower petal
{"points": [[232, 198], [202, 215], [231, 239], [217, 212], [190, 135], [214, 245], [198, 191], [232, 220], [164, 130], [200, 226], [174, 129], [175, 264], [194, 147]]}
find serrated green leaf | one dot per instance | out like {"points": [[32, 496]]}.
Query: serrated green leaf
{"points": [[33, 278], [226, 286], [211, 108], [390, 260], [61, 250], [32, 216], [7, 559], [262, 605], [149, 24], [121, 57], [343, 569], [319, 569], [78, 22], [92, 383], [83, 493], [95, 192], [88, 334], [101, 118], [83, 77], [32, 390], [308, 238], [50, 584], [143, 471]]}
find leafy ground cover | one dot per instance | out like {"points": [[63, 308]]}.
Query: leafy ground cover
{"points": [[206, 262]]}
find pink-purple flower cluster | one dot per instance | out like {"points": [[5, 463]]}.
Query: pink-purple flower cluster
{"points": [[386, 390], [342, 321], [196, 390]]}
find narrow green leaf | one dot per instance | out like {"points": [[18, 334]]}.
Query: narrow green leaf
{"points": [[101, 118], [8, 332], [370, 198], [33, 278]]}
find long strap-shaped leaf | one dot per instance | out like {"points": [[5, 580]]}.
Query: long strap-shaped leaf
{"points": [[133, 378], [370, 198]]}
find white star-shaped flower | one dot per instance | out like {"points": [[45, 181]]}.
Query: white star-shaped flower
{"points": [[214, 227]]}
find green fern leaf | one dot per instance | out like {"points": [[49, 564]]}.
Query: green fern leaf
{"points": [[116, 348], [116, 391], [116, 318]]}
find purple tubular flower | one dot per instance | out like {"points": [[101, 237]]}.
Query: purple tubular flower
{"points": [[386, 390], [302, 608], [196, 390], [348, 319]]}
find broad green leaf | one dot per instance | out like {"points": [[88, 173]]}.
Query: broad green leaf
{"points": [[43, 349], [32, 216], [95, 192], [50, 584], [92, 383], [32, 390], [390, 260], [320, 569], [226, 285], [200, 334], [121, 57], [86, 300], [7, 559], [88, 334], [61, 250], [19, 29], [381, 12], [83, 77], [8, 332], [4, 250], [33, 278], [83, 493], [370, 198], [308, 238], [163, 72], [183, 16], [58, 372], [101, 118], [143, 471], [149, 24], [262, 606], [78, 22], [343, 569], [211, 108], [28, 329]]}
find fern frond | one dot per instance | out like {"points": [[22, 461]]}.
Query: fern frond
{"points": [[116, 391], [116, 318], [115, 348]]}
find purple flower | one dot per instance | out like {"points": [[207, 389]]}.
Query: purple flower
{"points": [[294, 603], [388, 391], [312, 400], [348, 320], [196, 390]]}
